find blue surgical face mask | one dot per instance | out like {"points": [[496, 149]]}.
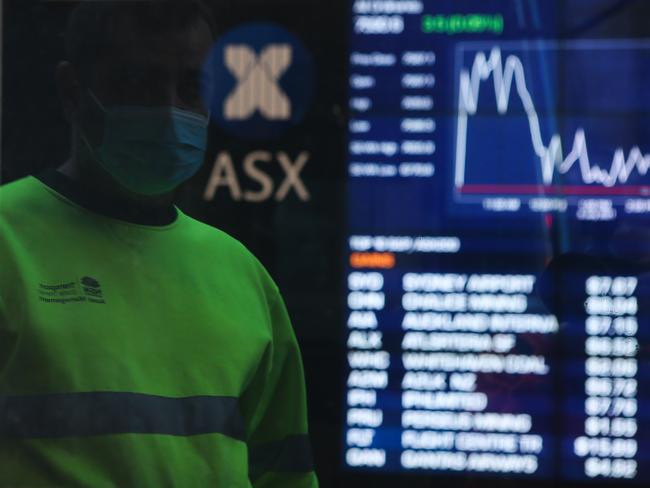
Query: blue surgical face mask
{"points": [[151, 150]]}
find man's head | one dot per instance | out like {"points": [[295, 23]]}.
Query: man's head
{"points": [[133, 54]]}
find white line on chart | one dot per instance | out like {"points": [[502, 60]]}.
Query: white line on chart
{"points": [[551, 156]]}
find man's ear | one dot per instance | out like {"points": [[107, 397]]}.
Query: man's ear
{"points": [[69, 89]]}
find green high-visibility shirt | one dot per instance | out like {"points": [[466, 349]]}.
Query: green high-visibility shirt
{"points": [[140, 350]]}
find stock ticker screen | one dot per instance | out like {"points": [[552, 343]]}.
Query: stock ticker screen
{"points": [[497, 272]]}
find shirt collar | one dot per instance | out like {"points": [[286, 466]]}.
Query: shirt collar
{"points": [[108, 206]]}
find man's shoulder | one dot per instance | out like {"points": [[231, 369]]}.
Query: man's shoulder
{"points": [[210, 242], [19, 202], [205, 234], [18, 189], [19, 198]]}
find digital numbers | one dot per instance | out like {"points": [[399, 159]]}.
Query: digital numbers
{"points": [[611, 387]]}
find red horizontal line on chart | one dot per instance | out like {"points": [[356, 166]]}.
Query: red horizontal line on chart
{"points": [[544, 190]]}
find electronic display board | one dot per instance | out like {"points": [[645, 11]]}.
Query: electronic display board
{"points": [[498, 243]]}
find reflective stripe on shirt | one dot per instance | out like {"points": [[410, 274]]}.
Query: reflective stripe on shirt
{"points": [[107, 413]]}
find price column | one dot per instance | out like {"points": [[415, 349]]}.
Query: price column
{"points": [[609, 444]]}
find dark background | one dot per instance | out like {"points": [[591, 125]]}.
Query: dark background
{"points": [[301, 243]]}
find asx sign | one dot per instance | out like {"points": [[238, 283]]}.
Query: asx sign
{"points": [[258, 82], [224, 175], [261, 82]]}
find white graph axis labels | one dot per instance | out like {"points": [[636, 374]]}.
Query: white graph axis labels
{"points": [[552, 156], [257, 82]]}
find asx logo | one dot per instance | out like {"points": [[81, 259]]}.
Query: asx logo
{"points": [[258, 82], [261, 81], [264, 187]]}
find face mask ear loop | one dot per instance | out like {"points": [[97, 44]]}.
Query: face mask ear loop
{"points": [[90, 148], [82, 133], [97, 101]]}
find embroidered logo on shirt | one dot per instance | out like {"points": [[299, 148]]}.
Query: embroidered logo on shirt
{"points": [[86, 289]]}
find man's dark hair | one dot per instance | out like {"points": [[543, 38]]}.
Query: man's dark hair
{"points": [[93, 25]]}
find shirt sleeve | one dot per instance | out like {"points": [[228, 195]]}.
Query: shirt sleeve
{"points": [[274, 407]]}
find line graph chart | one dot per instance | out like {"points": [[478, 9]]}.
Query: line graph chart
{"points": [[574, 134]]}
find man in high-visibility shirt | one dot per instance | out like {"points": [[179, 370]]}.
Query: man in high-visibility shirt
{"points": [[139, 347]]}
